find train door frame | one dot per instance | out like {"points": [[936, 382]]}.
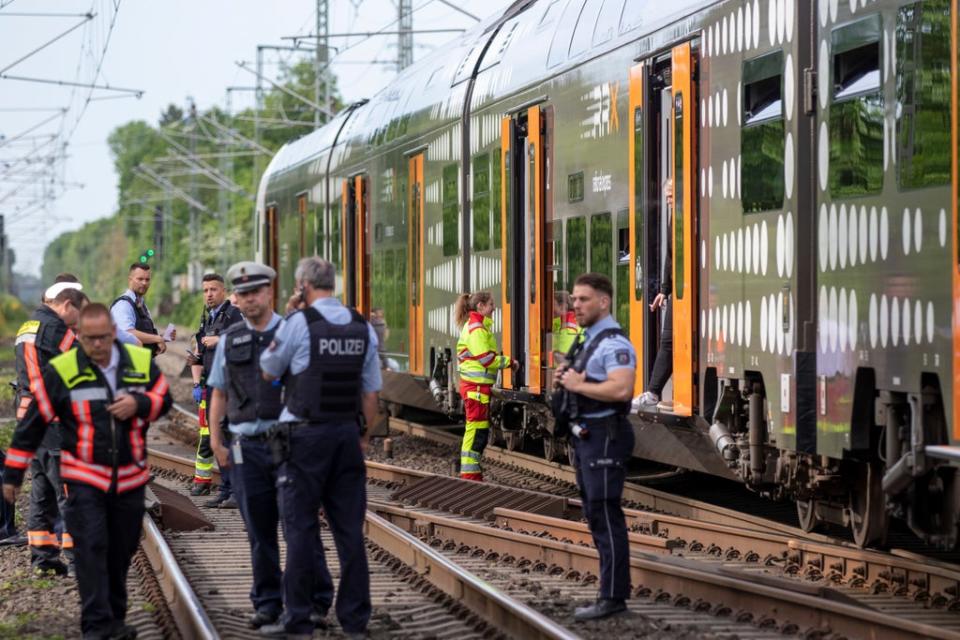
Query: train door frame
{"points": [[955, 223], [271, 243], [302, 219], [525, 148], [354, 245], [347, 213], [415, 258]]}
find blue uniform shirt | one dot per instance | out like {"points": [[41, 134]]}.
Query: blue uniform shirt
{"points": [[218, 380], [123, 314], [615, 352], [291, 350]]}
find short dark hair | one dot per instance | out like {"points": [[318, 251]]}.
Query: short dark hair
{"points": [[597, 281], [95, 310], [65, 277], [211, 277], [139, 265], [74, 296]]}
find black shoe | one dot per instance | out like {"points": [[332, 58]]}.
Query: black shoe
{"points": [[16, 540], [229, 503], [55, 566], [319, 616], [263, 618], [279, 630], [213, 503], [602, 608], [200, 489], [124, 632]]}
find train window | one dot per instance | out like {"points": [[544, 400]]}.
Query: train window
{"points": [[550, 13], [856, 113], [762, 139], [923, 94], [560, 45], [496, 195], [481, 202], [607, 21], [638, 199], [622, 284], [575, 187], [601, 244], [586, 24], [451, 210], [576, 229]]}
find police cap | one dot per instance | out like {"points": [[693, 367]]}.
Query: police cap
{"points": [[249, 275]]}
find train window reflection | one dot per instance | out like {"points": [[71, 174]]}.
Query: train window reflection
{"points": [[576, 229], [601, 244], [496, 194], [451, 210], [923, 94], [481, 202], [622, 282], [762, 141], [856, 113]]}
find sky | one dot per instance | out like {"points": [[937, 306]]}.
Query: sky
{"points": [[172, 51]]}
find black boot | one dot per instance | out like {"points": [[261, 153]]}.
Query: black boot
{"points": [[602, 608]]}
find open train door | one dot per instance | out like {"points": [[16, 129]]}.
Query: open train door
{"points": [[354, 244], [638, 208], [347, 239], [525, 292], [684, 237], [415, 261]]}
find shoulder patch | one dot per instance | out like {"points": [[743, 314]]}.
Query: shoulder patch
{"points": [[30, 326], [622, 356]]}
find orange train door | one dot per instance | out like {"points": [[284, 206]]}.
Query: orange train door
{"points": [[415, 261], [347, 204], [637, 146], [684, 238], [362, 249], [955, 127], [523, 247]]}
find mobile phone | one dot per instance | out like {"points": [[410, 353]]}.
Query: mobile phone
{"points": [[192, 354]]}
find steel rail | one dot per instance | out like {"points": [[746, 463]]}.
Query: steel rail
{"points": [[511, 617], [188, 613]]}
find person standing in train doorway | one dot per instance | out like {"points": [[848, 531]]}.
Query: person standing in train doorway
{"points": [[477, 364], [600, 378]]}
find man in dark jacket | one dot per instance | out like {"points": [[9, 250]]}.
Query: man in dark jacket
{"points": [[47, 334], [105, 394]]}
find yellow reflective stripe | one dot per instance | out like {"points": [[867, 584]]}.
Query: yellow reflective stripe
{"points": [[68, 368], [140, 359], [30, 326]]}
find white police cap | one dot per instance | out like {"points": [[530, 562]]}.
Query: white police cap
{"points": [[249, 275]]}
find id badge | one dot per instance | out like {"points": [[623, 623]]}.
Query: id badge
{"points": [[237, 452]]}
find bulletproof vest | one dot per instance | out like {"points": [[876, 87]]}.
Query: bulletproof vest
{"points": [[249, 396], [329, 388], [581, 356], [143, 320], [221, 321]]}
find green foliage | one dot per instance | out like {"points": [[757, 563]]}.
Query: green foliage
{"points": [[100, 252], [12, 315]]}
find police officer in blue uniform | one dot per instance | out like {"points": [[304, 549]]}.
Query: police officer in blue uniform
{"points": [[600, 383], [252, 406], [328, 355]]}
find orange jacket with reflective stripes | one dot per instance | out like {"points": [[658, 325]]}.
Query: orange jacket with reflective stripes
{"points": [[477, 359], [97, 450], [39, 339]]}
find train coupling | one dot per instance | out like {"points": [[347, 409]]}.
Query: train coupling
{"points": [[724, 442]]}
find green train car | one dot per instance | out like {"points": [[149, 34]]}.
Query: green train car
{"points": [[812, 148]]}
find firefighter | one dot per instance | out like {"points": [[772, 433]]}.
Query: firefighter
{"points": [[48, 333], [106, 393], [478, 366], [565, 328]]}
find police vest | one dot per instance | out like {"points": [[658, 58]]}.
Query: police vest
{"points": [[249, 396], [581, 356], [329, 388], [143, 322], [227, 316]]}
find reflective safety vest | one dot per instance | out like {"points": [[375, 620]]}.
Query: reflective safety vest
{"points": [[477, 359], [249, 396], [565, 331], [329, 389], [98, 449]]}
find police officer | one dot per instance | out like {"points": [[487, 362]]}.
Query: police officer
{"points": [[218, 315], [252, 406], [105, 393], [600, 383], [329, 355], [130, 312], [48, 333]]}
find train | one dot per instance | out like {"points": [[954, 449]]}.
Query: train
{"points": [[812, 152]]}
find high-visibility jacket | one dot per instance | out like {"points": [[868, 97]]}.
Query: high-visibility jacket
{"points": [[477, 357], [565, 331], [97, 449]]}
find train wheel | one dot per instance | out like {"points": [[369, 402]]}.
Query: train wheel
{"points": [[807, 514], [868, 512], [552, 448], [514, 439]]}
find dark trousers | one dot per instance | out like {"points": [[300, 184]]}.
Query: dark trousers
{"points": [[663, 365], [255, 488], [325, 468], [106, 531], [8, 510], [601, 470], [47, 502], [226, 475]]}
